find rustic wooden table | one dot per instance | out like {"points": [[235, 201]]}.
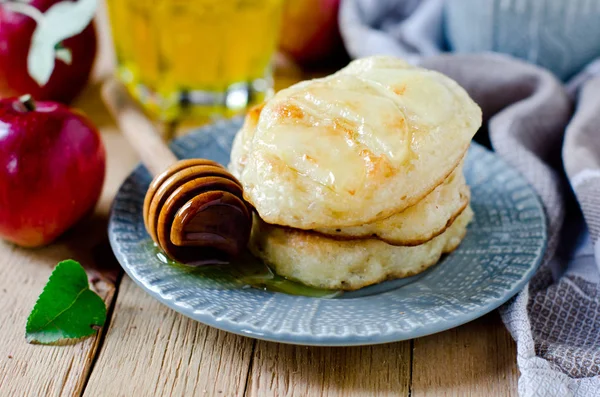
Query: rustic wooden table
{"points": [[146, 349]]}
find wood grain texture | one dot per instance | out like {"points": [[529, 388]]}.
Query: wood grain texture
{"points": [[476, 359], [35, 370], [151, 350], [284, 370]]}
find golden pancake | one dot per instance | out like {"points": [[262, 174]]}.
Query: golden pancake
{"points": [[323, 262], [419, 223], [355, 147]]}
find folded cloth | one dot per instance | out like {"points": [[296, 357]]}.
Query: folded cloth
{"points": [[562, 36], [533, 125]]}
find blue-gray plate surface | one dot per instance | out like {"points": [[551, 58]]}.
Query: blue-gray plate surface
{"points": [[502, 249]]}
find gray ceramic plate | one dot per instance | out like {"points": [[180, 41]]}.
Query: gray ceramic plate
{"points": [[501, 251]]}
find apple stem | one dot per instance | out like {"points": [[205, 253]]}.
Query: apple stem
{"points": [[27, 102]]}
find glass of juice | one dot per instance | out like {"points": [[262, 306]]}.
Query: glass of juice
{"points": [[195, 59]]}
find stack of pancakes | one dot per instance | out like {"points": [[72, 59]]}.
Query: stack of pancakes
{"points": [[357, 177]]}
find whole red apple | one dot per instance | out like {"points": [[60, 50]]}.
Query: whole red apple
{"points": [[66, 81], [309, 30], [52, 165]]}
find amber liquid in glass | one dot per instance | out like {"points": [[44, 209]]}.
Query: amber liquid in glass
{"points": [[195, 59]]}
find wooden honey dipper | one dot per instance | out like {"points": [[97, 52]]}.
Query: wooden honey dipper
{"points": [[194, 209]]}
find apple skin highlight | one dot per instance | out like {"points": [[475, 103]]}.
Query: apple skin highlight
{"points": [[52, 167]]}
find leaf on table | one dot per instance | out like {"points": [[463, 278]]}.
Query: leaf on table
{"points": [[66, 308]]}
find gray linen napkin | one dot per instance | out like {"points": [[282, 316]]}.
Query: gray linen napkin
{"points": [[551, 133]]}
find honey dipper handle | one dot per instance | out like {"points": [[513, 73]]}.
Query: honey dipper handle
{"points": [[138, 129]]}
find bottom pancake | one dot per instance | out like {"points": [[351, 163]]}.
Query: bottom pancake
{"points": [[323, 262]]}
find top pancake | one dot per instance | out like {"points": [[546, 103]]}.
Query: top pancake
{"points": [[353, 147]]}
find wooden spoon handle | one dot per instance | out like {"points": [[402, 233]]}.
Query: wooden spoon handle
{"points": [[140, 131]]}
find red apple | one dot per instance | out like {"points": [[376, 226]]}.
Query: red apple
{"points": [[52, 165], [309, 30], [66, 81]]}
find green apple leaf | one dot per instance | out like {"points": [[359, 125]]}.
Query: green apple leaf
{"points": [[66, 308], [61, 21]]}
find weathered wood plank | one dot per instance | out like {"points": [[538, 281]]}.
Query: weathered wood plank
{"points": [[33, 370], [285, 370], [152, 350], [476, 359]]}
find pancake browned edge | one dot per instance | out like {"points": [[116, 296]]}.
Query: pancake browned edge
{"points": [[402, 243], [323, 262], [419, 223]]}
